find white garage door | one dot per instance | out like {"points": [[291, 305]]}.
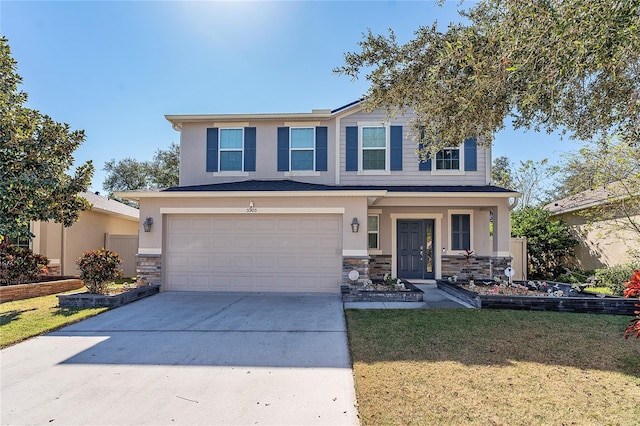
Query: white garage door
{"points": [[291, 253]]}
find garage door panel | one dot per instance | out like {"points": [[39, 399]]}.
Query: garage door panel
{"points": [[224, 225], [254, 253]]}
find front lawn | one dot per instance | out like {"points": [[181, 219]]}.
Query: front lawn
{"points": [[22, 319], [474, 367]]}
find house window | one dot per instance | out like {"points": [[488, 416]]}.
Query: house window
{"points": [[374, 148], [20, 242], [373, 230], [448, 159], [231, 147], [460, 231], [302, 148]]}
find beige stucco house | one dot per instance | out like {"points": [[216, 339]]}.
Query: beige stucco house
{"points": [[297, 201], [603, 242], [108, 223]]}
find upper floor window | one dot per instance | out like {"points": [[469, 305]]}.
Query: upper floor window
{"points": [[448, 159], [374, 148], [302, 148], [454, 160], [231, 149]]}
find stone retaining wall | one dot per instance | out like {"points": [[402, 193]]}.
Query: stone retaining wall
{"points": [[148, 269], [481, 267], [27, 291], [86, 300], [357, 295], [591, 305]]}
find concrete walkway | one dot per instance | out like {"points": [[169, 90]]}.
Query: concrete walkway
{"points": [[433, 298], [188, 358]]}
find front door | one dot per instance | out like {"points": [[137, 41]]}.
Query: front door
{"points": [[415, 249]]}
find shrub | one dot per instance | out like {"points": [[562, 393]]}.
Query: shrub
{"points": [[98, 268], [20, 265], [615, 277]]}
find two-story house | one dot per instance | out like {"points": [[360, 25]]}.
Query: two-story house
{"points": [[296, 201]]}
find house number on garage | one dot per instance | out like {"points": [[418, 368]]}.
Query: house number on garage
{"points": [[251, 209]]}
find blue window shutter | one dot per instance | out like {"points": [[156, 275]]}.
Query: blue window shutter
{"points": [[396, 148], [351, 158], [470, 155], [283, 149], [249, 149], [321, 149], [212, 149]]}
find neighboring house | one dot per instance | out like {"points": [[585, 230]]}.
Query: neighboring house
{"points": [[603, 242], [295, 202], [107, 224]]}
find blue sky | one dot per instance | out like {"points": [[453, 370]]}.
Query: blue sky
{"points": [[116, 68]]}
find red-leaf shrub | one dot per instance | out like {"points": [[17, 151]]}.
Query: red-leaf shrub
{"points": [[98, 268], [20, 265], [633, 290]]}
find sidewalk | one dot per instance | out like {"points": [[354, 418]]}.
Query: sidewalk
{"points": [[434, 298]]}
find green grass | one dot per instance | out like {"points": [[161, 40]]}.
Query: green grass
{"points": [[475, 367], [22, 319]]}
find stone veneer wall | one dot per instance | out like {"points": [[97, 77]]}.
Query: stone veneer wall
{"points": [[481, 267], [357, 263], [148, 269], [379, 265]]}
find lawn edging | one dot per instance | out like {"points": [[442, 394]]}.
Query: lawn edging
{"points": [[578, 304], [88, 300], [10, 293]]}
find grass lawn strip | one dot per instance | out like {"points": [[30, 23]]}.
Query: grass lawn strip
{"points": [[473, 367], [22, 319]]}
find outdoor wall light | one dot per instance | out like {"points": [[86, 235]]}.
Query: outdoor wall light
{"points": [[355, 225], [147, 224]]}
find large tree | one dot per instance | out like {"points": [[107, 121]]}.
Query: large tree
{"points": [[36, 154], [571, 65], [130, 174]]}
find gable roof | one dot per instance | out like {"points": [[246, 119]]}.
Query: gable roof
{"points": [[112, 207], [586, 199]]}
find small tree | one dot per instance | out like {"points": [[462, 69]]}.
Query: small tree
{"points": [[549, 243], [633, 290], [98, 268]]}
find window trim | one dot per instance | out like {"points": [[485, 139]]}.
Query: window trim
{"points": [[291, 149], [377, 232], [387, 149], [220, 150], [450, 214]]}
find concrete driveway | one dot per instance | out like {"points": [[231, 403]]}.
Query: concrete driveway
{"points": [[188, 358]]}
